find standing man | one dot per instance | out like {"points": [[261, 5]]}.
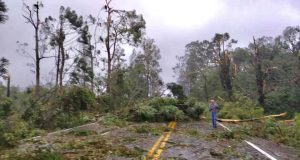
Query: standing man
{"points": [[213, 108]]}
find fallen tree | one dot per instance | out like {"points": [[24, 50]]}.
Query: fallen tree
{"points": [[254, 119]]}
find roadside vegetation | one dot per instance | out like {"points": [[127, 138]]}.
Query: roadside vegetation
{"points": [[247, 83]]}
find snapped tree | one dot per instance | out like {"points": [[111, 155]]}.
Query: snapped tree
{"points": [[121, 27]]}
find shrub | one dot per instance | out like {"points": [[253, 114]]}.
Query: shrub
{"points": [[65, 120], [159, 102], [169, 113], [12, 130], [192, 108], [142, 129], [165, 109], [77, 98], [5, 106], [241, 108], [274, 130], [195, 110], [112, 120], [104, 101], [146, 113], [283, 100]]}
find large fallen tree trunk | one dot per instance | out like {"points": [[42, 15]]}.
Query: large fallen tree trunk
{"points": [[254, 119]]}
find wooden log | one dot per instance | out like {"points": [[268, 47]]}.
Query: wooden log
{"points": [[254, 119]]}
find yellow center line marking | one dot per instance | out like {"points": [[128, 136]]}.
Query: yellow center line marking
{"points": [[154, 147], [163, 137], [163, 144], [174, 125], [169, 125]]}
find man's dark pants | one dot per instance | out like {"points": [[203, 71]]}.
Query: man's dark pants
{"points": [[214, 119]]}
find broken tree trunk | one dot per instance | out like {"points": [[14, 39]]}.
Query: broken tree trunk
{"points": [[254, 119]]}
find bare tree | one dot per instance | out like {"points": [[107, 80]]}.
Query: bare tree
{"points": [[31, 14]]}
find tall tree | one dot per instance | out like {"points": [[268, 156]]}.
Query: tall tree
{"points": [[223, 45], [121, 27], [268, 68], [4, 73], [291, 37], [148, 61], [259, 73], [84, 63], [3, 66], [3, 10], [32, 15], [177, 90], [200, 58], [68, 24]]}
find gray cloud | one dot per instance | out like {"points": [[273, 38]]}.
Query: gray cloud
{"points": [[241, 18]]}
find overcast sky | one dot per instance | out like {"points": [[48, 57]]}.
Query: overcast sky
{"points": [[172, 23]]}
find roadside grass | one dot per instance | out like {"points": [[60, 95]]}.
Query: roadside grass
{"points": [[113, 120], [146, 128]]}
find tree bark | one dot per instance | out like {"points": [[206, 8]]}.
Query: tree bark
{"points": [[57, 67], [92, 64], [107, 45], [62, 68], [61, 56], [8, 86], [259, 75], [225, 75], [205, 87], [37, 56]]}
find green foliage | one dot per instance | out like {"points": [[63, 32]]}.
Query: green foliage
{"points": [[79, 132], [283, 100], [297, 127], [194, 133], [241, 108], [143, 129], [177, 90], [77, 98], [169, 113], [112, 120], [104, 101], [273, 130], [192, 108], [146, 113], [195, 111], [64, 120], [146, 128], [3, 10], [12, 130], [158, 102], [3, 61], [5, 106], [270, 127], [166, 109]]}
